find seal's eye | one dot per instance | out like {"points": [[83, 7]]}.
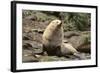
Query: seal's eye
{"points": [[58, 22]]}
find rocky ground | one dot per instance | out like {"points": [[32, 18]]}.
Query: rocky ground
{"points": [[32, 42]]}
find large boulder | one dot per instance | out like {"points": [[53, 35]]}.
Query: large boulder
{"points": [[79, 40]]}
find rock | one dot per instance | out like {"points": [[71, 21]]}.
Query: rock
{"points": [[29, 59], [52, 58], [27, 52], [28, 56], [33, 46], [81, 42], [27, 46], [27, 36], [76, 41], [70, 34], [31, 17]]}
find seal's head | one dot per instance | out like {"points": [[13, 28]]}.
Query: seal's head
{"points": [[57, 22]]}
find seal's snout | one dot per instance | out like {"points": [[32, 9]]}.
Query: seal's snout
{"points": [[61, 23]]}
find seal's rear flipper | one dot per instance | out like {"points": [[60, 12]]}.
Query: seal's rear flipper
{"points": [[80, 56]]}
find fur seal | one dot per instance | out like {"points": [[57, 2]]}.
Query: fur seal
{"points": [[52, 37], [53, 40], [67, 48]]}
